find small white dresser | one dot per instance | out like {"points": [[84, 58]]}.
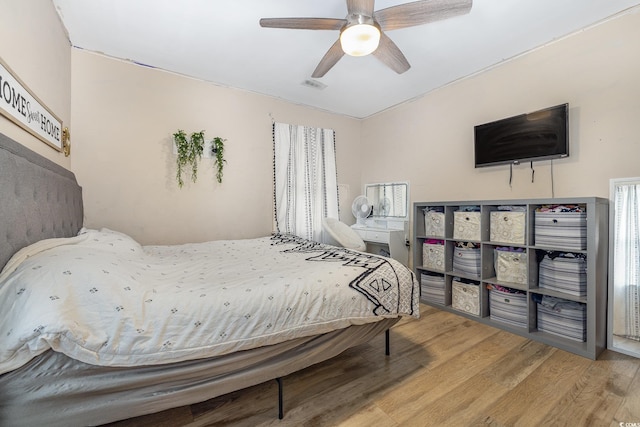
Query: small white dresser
{"points": [[389, 236], [387, 226]]}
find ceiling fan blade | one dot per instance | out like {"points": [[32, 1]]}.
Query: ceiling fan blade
{"points": [[329, 59], [360, 7], [420, 12], [304, 23], [391, 55]]}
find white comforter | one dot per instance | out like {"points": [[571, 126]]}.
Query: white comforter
{"points": [[103, 299]]}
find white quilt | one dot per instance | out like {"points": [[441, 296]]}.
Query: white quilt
{"points": [[103, 299]]}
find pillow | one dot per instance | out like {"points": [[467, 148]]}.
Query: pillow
{"points": [[113, 239], [343, 234]]}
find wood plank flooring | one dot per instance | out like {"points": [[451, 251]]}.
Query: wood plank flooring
{"points": [[444, 370]]}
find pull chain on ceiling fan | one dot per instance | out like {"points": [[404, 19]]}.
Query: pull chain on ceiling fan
{"points": [[363, 30]]}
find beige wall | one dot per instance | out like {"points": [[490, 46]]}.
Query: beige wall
{"points": [[430, 141], [125, 115], [35, 46]]}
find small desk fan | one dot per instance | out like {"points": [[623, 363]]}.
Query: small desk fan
{"points": [[361, 209]]}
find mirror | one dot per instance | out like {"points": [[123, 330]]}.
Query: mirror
{"points": [[389, 200]]}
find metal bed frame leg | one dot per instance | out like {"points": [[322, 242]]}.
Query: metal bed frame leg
{"points": [[280, 403], [387, 350]]}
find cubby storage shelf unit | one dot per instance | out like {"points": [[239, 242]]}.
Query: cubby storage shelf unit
{"points": [[453, 225]]}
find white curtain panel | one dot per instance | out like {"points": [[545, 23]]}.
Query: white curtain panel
{"points": [[305, 188], [626, 253]]}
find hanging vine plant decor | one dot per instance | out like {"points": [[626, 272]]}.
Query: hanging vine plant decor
{"points": [[217, 149], [197, 148], [189, 154], [182, 146]]}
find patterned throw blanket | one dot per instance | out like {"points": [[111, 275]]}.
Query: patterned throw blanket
{"points": [[103, 299]]}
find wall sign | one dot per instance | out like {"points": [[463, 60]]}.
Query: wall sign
{"points": [[18, 104]]}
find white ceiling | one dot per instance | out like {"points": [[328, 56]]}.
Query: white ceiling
{"points": [[221, 42]]}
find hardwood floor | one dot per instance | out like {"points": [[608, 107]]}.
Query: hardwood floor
{"points": [[443, 370]]}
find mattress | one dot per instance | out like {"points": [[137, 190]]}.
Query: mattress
{"points": [[103, 299]]}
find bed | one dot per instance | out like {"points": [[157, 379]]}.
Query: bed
{"points": [[97, 328]]}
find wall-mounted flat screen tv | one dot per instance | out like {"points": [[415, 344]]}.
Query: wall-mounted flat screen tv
{"points": [[540, 135]]}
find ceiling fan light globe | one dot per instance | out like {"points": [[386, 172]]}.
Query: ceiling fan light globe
{"points": [[360, 39]]}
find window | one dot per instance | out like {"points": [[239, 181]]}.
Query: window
{"points": [[305, 179]]}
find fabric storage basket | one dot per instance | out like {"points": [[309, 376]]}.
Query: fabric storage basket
{"points": [[561, 229], [511, 266], [466, 225], [466, 260], [563, 272], [508, 306], [507, 227], [432, 287], [561, 317], [465, 297], [433, 223], [433, 256]]}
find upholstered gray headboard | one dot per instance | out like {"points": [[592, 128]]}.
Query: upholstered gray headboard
{"points": [[38, 199]]}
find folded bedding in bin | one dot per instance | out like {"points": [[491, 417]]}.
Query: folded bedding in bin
{"points": [[562, 317]]}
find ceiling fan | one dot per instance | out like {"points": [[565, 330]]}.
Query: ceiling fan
{"points": [[362, 31]]}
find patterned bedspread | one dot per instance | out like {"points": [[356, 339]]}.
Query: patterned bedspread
{"points": [[104, 299]]}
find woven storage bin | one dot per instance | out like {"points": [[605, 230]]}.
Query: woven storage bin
{"points": [[467, 261], [561, 229], [432, 287], [564, 273], [465, 297], [564, 318], [511, 266], [434, 224], [508, 307], [507, 227], [433, 256], [466, 225]]}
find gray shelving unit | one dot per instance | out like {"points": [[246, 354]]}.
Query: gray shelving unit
{"points": [[596, 251]]}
